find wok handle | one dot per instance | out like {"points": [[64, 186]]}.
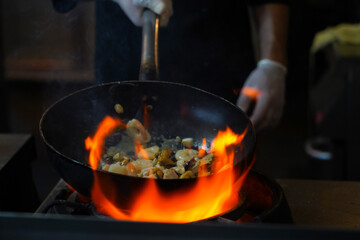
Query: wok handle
{"points": [[149, 69]]}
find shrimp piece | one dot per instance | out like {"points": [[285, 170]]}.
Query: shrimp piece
{"points": [[141, 164], [186, 155], [150, 152], [170, 174], [153, 172], [137, 131], [117, 168], [179, 169], [188, 142]]}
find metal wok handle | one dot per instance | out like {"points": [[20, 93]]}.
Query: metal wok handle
{"points": [[149, 69]]}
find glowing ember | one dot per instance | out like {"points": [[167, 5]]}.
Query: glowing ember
{"points": [[209, 196]]}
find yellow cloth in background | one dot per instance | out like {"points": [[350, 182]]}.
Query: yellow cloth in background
{"points": [[346, 34]]}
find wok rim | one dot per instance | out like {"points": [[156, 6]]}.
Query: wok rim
{"points": [[133, 82]]}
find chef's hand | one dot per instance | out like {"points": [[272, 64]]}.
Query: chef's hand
{"points": [[265, 86], [134, 9]]}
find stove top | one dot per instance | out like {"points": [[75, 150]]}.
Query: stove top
{"points": [[67, 227], [68, 221]]}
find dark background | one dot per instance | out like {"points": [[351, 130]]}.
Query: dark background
{"points": [[25, 93]]}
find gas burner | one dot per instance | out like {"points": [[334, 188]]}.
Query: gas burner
{"points": [[66, 202], [263, 200]]}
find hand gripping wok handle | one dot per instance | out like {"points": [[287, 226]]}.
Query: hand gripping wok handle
{"points": [[149, 69]]}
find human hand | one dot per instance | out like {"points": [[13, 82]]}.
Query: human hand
{"points": [[134, 9], [266, 87]]}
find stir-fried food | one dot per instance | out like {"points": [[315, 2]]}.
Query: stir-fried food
{"points": [[171, 159]]}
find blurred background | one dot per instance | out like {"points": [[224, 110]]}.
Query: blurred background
{"points": [[45, 55]]}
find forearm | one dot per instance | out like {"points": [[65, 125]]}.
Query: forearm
{"points": [[271, 24]]}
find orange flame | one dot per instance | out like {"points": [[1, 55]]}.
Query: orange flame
{"points": [[139, 150], [202, 149], [209, 196], [96, 144], [251, 92]]}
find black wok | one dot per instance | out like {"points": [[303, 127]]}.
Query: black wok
{"points": [[178, 110]]}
